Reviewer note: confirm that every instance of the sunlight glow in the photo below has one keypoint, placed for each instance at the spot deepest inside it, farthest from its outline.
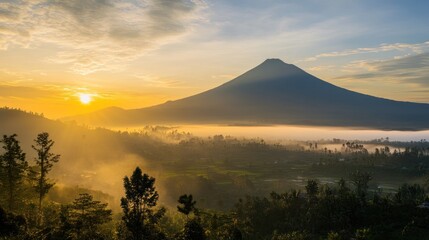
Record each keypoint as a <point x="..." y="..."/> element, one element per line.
<point x="85" y="98"/>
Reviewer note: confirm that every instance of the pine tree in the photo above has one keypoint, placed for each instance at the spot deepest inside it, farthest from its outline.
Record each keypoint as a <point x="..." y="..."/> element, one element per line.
<point x="140" y="198"/>
<point x="45" y="160"/>
<point x="81" y="220"/>
<point x="13" y="166"/>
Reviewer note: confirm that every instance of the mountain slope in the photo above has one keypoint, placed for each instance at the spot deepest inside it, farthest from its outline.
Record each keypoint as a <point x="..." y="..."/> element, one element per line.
<point x="275" y="93"/>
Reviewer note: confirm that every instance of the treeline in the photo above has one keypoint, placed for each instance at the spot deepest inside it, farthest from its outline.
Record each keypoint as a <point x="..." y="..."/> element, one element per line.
<point x="410" y="156"/>
<point x="348" y="210"/>
<point x="21" y="110"/>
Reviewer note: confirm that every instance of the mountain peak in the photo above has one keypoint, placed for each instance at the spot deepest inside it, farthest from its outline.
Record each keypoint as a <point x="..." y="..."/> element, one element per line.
<point x="272" y="68"/>
<point x="274" y="60"/>
<point x="276" y="63"/>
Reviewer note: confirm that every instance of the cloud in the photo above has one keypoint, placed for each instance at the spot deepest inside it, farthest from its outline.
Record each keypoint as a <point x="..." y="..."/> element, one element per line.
<point x="322" y="68"/>
<point x="411" y="70"/>
<point x="96" y="35"/>
<point x="158" y="82"/>
<point x="414" y="48"/>
<point x="24" y="92"/>
<point x="416" y="62"/>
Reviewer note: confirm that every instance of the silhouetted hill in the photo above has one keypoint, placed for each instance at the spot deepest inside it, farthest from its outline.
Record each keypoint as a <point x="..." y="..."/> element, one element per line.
<point x="274" y="93"/>
<point x="88" y="156"/>
<point x="72" y="141"/>
<point x="25" y="124"/>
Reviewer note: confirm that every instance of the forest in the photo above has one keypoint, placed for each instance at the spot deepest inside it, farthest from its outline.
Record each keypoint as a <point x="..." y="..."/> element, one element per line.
<point x="231" y="198"/>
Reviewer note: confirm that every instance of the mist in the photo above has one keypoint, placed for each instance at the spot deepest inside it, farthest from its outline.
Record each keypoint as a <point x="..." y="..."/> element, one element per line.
<point x="290" y="133"/>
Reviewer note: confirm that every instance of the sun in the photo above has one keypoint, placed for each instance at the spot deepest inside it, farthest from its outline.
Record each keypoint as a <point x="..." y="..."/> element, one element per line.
<point x="85" y="98"/>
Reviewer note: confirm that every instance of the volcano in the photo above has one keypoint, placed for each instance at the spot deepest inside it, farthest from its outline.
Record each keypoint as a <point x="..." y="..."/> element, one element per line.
<point x="274" y="93"/>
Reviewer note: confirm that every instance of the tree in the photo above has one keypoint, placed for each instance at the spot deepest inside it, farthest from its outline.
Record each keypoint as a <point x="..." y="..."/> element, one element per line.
<point x="45" y="160"/>
<point x="193" y="230"/>
<point x="188" y="204"/>
<point x="140" y="198"/>
<point x="343" y="190"/>
<point x="410" y="194"/>
<point x="13" y="167"/>
<point x="82" y="219"/>
<point x="361" y="180"/>
<point x="312" y="189"/>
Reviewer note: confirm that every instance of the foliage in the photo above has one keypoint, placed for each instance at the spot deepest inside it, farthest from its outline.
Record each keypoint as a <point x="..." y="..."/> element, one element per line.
<point x="140" y="198"/>
<point x="44" y="161"/>
<point x="334" y="236"/>
<point x="82" y="219"/>
<point x="10" y="224"/>
<point x="361" y="180"/>
<point x="188" y="204"/>
<point x="335" y="213"/>
<point x="291" y="236"/>
<point x="410" y="194"/>
<point x="363" y="234"/>
<point x="12" y="166"/>
<point x="193" y="230"/>
<point x="312" y="189"/>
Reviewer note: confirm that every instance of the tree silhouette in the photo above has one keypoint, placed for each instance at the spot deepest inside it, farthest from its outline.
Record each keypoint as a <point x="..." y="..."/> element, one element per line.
<point x="312" y="189"/>
<point x="13" y="166"/>
<point x="137" y="205"/>
<point x="410" y="194"/>
<point x="45" y="160"/>
<point x="188" y="204"/>
<point x="361" y="180"/>
<point x="192" y="229"/>
<point x="81" y="220"/>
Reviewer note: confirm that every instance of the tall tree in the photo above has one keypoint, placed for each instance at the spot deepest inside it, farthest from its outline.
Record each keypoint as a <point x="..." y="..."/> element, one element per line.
<point x="140" y="198"/>
<point x="45" y="160"/>
<point x="13" y="165"/>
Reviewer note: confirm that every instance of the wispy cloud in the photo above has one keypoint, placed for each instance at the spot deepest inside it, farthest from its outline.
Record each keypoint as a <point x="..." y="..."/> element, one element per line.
<point x="159" y="82"/>
<point x="96" y="35"/>
<point x="322" y="68"/>
<point x="24" y="92"/>
<point x="414" y="48"/>
<point x="410" y="70"/>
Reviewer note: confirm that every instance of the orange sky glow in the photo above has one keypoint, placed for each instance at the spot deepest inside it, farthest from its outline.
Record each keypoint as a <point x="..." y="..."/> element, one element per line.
<point x="134" y="54"/>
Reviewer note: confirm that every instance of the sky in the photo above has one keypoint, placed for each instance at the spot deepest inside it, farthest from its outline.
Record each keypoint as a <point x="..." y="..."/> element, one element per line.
<point x="69" y="57"/>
